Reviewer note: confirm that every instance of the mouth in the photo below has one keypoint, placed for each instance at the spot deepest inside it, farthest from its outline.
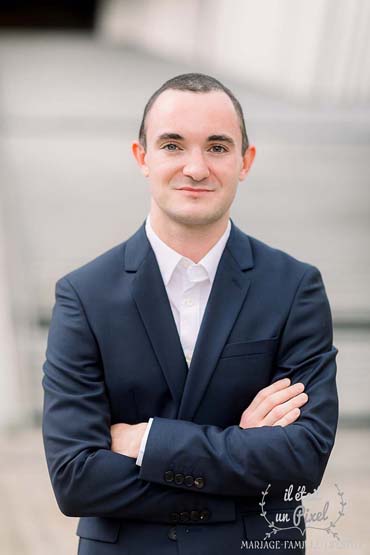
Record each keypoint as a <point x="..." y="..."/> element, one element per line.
<point x="195" y="190"/>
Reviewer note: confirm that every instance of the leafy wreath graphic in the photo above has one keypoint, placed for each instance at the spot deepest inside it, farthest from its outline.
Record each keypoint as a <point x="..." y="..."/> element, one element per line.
<point x="328" y="529"/>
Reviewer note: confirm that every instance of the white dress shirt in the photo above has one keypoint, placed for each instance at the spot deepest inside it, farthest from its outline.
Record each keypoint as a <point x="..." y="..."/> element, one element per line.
<point x="188" y="286"/>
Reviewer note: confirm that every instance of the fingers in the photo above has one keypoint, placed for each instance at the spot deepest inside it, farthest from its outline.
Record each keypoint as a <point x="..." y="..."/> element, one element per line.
<point x="278" y="398"/>
<point x="267" y="391"/>
<point x="282" y="410"/>
<point x="273" y="403"/>
<point x="289" y="418"/>
<point x="267" y="399"/>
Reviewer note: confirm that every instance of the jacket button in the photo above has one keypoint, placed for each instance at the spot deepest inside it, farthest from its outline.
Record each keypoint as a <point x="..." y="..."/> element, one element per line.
<point x="184" y="516"/>
<point x="172" y="533"/>
<point x="194" y="515"/>
<point x="199" y="482"/>
<point x="174" y="517"/>
<point x="204" y="515"/>
<point x="169" y="475"/>
<point x="189" y="480"/>
<point x="179" y="479"/>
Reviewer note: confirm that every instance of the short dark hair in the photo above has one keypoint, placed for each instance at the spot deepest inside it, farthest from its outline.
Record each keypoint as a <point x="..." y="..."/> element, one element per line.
<point x="199" y="83"/>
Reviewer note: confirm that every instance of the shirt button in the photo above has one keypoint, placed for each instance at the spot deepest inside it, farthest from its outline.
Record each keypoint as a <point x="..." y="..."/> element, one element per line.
<point x="188" y="302"/>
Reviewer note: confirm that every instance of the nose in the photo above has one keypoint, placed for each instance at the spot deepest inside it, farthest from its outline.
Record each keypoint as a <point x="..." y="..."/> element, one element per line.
<point x="196" y="167"/>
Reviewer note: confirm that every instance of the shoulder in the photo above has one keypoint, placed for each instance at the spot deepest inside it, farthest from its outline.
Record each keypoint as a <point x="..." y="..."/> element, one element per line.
<point x="269" y="260"/>
<point x="104" y="268"/>
<point x="279" y="275"/>
<point x="268" y="254"/>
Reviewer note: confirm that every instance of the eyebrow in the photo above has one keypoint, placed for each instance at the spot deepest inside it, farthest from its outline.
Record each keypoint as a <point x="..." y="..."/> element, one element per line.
<point x="166" y="136"/>
<point x="222" y="139"/>
<point x="177" y="137"/>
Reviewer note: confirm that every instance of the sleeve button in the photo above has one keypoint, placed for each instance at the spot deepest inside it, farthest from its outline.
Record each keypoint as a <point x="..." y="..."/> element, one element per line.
<point x="184" y="516"/>
<point x="189" y="480"/>
<point x="168" y="476"/>
<point x="174" y="517"/>
<point x="204" y="515"/>
<point x="199" y="482"/>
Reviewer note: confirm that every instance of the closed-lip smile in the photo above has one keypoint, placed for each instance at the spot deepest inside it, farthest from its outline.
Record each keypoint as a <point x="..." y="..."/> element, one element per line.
<point x="195" y="190"/>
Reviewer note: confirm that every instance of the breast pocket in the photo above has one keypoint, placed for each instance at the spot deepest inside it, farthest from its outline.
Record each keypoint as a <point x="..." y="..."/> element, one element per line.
<point x="258" y="347"/>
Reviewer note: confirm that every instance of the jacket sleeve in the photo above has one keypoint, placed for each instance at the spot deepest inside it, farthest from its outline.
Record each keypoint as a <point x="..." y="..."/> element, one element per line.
<point x="87" y="477"/>
<point x="236" y="461"/>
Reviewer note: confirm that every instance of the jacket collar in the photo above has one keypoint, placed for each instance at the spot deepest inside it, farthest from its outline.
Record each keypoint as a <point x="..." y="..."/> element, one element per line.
<point x="138" y="246"/>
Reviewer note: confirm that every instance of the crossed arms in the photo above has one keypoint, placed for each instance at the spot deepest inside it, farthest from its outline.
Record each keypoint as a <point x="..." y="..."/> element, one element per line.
<point x="275" y="405"/>
<point x="90" y="479"/>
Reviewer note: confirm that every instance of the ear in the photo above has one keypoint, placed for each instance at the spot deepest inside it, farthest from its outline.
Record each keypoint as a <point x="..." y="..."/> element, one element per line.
<point x="248" y="158"/>
<point x="139" y="154"/>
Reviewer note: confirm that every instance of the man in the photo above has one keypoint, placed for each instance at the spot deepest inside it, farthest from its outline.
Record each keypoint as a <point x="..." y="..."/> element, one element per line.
<point x="190" y="368"/>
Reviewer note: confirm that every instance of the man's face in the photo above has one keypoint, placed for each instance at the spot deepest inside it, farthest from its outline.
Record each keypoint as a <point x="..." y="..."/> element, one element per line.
<point x="193" y="157"/>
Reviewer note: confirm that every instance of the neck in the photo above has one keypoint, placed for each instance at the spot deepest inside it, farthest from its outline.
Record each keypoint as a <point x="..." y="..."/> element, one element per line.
<point x="192" y="241"/>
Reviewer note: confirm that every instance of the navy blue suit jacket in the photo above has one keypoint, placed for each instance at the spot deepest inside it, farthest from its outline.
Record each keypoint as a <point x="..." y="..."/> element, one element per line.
<point x="114" y="355"/>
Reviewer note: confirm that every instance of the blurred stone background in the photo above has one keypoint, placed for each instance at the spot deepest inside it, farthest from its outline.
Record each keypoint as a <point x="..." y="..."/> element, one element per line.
<point x="74" y="79"/>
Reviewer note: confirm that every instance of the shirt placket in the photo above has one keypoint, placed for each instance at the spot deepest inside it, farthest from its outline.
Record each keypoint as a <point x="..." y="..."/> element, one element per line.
<point x="189" y="320"/>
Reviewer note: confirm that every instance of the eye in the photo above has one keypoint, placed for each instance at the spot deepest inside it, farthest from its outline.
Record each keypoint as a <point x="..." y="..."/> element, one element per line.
<point x="218" y="148"/>
<point x="170" y="146"/>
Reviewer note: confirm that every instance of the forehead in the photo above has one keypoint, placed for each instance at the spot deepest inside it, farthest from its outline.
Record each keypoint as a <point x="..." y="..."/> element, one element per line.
<point x="187" y="112"/>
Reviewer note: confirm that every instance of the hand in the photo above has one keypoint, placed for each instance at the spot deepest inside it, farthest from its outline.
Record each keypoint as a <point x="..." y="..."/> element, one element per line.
<point x="126" y="438"/>
<point x="275" y="405"/>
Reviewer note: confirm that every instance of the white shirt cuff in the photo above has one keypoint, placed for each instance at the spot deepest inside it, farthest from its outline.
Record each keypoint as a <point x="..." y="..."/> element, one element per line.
<point x="140" y="456"/>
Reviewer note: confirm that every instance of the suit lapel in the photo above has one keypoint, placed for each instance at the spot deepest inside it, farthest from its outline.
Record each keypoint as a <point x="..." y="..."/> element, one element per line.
<point x="150" y="296"/>
<point x="228" y="293"/>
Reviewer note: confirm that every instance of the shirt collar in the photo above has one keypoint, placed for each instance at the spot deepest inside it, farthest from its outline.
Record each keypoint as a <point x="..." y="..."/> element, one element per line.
<point x="168" y="258"/>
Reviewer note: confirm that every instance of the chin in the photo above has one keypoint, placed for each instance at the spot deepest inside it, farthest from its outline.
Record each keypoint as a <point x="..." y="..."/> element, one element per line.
<point x="196" y="218"/>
